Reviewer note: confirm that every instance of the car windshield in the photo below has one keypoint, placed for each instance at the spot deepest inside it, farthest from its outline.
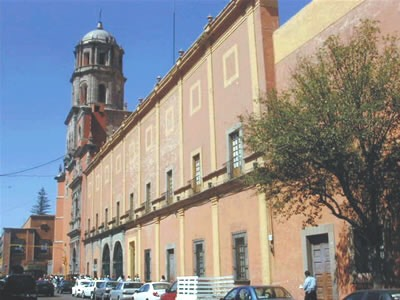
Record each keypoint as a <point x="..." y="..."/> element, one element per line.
<point x="271" y="292"/>
<point x="111" y="284"/>
<point x="161" y="286"/>
<point x="132" y="285"/>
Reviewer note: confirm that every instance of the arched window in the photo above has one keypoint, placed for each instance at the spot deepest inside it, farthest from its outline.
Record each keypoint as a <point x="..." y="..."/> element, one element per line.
<point x="117" y="260"/>
<point x="83" y="94"/>
<point x="106" y="261"/>
<point x="102" y="93"/>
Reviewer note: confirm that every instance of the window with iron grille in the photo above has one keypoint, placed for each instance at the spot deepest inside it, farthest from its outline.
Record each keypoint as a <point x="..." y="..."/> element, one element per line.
<point x="147" y="265"/>
<point x="240" y="263"/>
<point x="199" y="258"/>
<point x="170" y="188"/>
<point x="236" y="153"/>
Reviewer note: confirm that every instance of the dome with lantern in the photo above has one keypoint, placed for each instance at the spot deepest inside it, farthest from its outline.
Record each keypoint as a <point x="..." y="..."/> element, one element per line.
<point x="98" y="35"/>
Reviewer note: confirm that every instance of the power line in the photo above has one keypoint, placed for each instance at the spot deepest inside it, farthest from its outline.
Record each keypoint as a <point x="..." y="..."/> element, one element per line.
<point x="33" y="168"/>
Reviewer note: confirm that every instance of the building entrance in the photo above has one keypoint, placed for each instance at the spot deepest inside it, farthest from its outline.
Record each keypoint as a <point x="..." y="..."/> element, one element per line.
<point x="321" y="264"/>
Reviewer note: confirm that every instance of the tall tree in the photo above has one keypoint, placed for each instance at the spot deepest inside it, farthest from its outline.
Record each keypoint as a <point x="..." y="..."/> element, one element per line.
<point x="332" y="140"/>
<point x="42" y="205"/>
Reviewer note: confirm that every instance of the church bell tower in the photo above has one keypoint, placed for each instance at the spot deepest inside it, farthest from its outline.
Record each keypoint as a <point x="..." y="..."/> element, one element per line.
<point x="97" y="111"/>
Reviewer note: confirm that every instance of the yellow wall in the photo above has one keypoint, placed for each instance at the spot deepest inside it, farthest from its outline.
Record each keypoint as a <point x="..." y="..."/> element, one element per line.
<point x="308" y="23"/>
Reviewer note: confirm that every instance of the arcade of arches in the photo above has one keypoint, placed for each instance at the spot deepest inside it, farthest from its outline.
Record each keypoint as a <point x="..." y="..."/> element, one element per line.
<point x="117" y="261"/>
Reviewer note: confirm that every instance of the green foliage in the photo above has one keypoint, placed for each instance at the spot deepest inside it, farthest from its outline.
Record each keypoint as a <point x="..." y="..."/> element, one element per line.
<point x="42" y="205"/>
<point x="333" y="139"/>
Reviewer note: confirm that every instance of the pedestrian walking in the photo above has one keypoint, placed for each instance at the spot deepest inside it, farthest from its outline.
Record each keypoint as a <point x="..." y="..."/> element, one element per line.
<point x="310" y="287"/>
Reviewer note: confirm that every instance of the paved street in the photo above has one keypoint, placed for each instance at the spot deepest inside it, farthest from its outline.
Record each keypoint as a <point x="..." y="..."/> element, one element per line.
<point x="58" y="297"/>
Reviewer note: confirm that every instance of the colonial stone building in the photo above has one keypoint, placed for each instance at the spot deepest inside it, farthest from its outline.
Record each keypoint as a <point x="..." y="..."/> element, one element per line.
<point x="158" y="191"/>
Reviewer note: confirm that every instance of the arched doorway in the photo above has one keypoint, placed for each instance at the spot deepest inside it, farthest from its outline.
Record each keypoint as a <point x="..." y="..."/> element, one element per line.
<point x="117" y="260"/>
<point x="106" y="261"/>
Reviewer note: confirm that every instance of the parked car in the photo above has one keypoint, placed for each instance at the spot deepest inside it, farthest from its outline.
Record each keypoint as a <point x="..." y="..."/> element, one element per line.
<point x="254" y="292"/>
<point x="103" y="291"/>
<point x="65" y="286"/>
<point x="78" y="286"/>
<point x="18" y="286"/>
<point x="124" y="290"/>
<point x="45" y="287"/>
<point x="88" y="291"/>
<point x="374" y="294"/>
<point x="151" y="291"/>
<point x="170" y="293"/>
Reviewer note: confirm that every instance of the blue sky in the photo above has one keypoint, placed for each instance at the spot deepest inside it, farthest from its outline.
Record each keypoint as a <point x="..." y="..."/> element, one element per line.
<point x="37" y="40"/>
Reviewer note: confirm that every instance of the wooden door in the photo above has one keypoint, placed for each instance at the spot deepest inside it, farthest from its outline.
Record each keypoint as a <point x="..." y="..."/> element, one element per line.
<point x="322" y="266"/>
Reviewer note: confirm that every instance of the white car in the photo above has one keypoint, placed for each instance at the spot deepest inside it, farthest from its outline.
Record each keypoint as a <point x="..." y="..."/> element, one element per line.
<point x="125" y="290"/>
<point x="79" y="284"/>
<point x="151" y="291"/>
<point x="88" y="291"/>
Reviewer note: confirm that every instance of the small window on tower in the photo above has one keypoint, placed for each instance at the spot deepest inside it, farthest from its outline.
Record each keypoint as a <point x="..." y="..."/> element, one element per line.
<point x="102" y="93"/>
<point x="102" y="58"/>
<point x="83" y="94"/>
<point x="86" y="58"/>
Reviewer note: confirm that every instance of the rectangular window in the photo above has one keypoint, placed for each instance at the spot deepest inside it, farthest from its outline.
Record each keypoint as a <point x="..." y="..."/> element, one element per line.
<point x="106" y="217"/>
<point x="170" y="189"/>
<point x="97" y="221"/>
<point x="196" y="181"/>
<point x="235" y="155"/>
<point x="199" y="265"/>
<point x="102" y="58"/>
<point x="44" y="247"/>
<point x="88" y="225"/>
<point x="117" y="217"/>
<point x="240" y="259"/>
<point x="147" y="204"/>
<point x="360" y="253"/>
<point x="147" y="265"/>
<point x="86" y="58"/>
<point x="131" y="206"/>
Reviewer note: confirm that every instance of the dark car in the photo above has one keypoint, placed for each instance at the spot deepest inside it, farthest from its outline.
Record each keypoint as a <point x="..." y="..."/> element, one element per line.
<point x="260" y="292"/>
<point x="18" y="286"/>
<point x="103" y="291"/>
<point x="44" y="287"/>
<point x="375" y="294"/>
<point x="170" y="293"/>
<point x="65" y="286"/>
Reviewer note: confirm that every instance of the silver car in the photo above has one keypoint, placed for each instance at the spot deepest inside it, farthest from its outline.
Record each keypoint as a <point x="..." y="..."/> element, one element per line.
<point x="124" y="290"/>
